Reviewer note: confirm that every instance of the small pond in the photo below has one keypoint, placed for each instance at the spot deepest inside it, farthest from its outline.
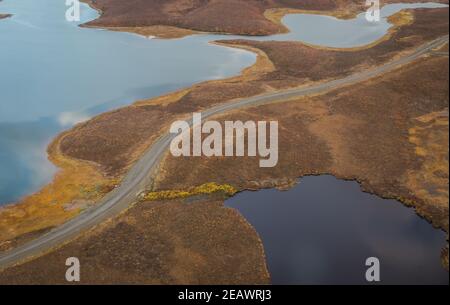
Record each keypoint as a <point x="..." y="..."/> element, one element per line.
<point x="323" y="230"/>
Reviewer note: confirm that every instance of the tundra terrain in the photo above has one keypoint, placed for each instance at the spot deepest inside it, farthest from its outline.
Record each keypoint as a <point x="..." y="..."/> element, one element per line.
<point x="389" y="133"/>
<point x="344" y="132"/>
<point x="246" y="17"/>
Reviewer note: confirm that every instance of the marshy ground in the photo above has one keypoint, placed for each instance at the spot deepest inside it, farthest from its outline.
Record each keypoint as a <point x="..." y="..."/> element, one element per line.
<point x="389" y="133"/>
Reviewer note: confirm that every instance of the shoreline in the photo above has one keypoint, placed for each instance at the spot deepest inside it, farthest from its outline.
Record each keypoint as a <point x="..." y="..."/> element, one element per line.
<point x="156" y="31"/>
<point x="274" y="15"/>
<point x="224" y="114"/>
<point x="397" y="20"/>
<point x="68" y="168"/>
<point x="262" y="65"/>
<point x="4" y="16"/>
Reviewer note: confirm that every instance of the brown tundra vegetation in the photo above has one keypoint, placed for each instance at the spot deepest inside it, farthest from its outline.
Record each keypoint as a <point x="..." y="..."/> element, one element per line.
<point x="247" y="17"/>
<point x="390" y="134"/>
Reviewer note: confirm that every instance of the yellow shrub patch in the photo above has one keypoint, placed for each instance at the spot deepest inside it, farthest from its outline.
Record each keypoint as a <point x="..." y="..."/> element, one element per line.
<point x="204" y="189"/>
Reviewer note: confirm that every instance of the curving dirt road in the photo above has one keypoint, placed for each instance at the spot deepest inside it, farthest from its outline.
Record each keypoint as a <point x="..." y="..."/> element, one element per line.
<point x="143" y="172"/>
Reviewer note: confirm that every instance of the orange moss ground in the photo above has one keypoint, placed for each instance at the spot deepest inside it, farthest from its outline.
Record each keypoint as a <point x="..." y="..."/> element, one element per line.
<point x="387" y="133"/>
<point x="92" y="161"/>
<point x="167" y="242"/>
<point x="390" y="134"/>
<point x="348" y="133"/>
<point x="76" y="186"/>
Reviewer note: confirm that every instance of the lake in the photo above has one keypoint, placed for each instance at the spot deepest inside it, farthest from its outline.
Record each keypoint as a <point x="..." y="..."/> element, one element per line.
<point x="323" y="230"/>
<point x="55" y="74"/>
<point x="332" y="32"/>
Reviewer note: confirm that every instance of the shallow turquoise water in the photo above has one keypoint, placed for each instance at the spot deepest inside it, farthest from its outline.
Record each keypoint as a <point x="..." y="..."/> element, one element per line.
<point x="332" y="32"/>
<point x="55" y="74"/>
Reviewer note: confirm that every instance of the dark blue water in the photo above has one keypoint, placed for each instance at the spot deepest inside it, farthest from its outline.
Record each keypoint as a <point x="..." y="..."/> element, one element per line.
<point x="323" y="230"/>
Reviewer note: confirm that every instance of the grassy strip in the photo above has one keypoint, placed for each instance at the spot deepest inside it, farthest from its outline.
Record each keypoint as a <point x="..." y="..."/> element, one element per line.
<point x="204" y="189"/>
